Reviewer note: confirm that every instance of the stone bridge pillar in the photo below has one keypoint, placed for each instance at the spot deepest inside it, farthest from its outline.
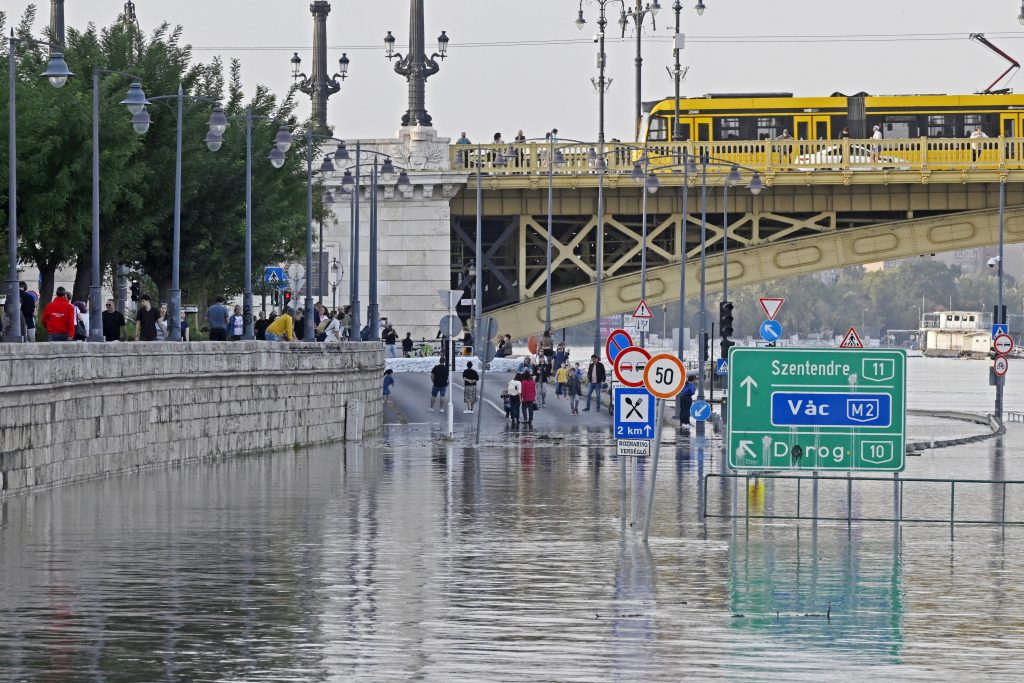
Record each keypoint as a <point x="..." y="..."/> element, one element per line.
<point x="414" y="229"/>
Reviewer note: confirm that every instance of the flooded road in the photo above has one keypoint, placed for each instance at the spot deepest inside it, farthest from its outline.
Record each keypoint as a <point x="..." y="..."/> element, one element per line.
<point x="409" y="559"/>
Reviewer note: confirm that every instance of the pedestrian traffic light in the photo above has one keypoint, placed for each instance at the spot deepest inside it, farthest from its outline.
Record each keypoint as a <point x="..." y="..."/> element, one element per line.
<point x="725" y="326"/>
<point x="706" y="341"/>
<point x="136" y="290"/>
<point x="287" y="299"/>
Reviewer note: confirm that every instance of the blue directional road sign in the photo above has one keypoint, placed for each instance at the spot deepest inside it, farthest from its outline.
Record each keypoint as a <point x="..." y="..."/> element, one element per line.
<point x="722" y="366"/>
<point x="275" y="277"/>
<point x="1000" y="328"/>
<point x="771" y="330"/>
<point x="700" y="410"/>
<point x="634" y="413"/>
<point x="803" y="409"/>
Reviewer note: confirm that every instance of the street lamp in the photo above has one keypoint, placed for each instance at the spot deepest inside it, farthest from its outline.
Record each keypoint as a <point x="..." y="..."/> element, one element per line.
<point x="1020" y="17"/>
<point x="57" y="73"/>
<point x="415" y="65"/>
<point x="601" y="83"/>
<point x="136" y="103"/>
<point x="638" y="15"/>
<point x="700" y="7"/>
<point x="216" y="126"/>
<point x="337" y="272"/>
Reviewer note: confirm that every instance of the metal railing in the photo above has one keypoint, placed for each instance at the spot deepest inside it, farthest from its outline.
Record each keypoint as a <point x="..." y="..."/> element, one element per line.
<point x="798" y="508"/>
<point x="768" y="156"/>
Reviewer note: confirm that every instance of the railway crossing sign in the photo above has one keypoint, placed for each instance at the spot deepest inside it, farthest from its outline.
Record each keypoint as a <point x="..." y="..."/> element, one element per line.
<point x="771" y="306"/>
<point x="771" y="330"/>
<point x="817" y="409"/>
<point x="1001" y="365"/>
<point x="1003" y="344"/>
<point x="630" y="365"/>
<point x="664" y="376"/>
<point x="618" y="341"/>
<point x="1000" y="328"/>
<point x="851" y="340"/>
<point x="634" y="413"/>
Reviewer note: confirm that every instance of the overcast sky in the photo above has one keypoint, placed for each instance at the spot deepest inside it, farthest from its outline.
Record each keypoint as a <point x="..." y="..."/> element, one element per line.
<point x="809" y="47"/>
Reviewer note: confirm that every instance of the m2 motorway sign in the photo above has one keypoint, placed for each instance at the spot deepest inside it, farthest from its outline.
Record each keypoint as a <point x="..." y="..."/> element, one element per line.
<point x="812" y="409"/>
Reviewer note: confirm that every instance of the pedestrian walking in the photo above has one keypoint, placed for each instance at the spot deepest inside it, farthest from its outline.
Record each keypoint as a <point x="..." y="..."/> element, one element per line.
<point x="113" y="322"/>
<point x="574" y="387"/>
<point x="389" y="381"/>
<point x="514" y="391"/>
<point x="470" y="380"/>
<point x="185" y="334"/>
<point x="595" y="381"/>
<point x="333" y="332"/>
<point x="236" y="324"/>
<point x="439" y="386"/>
<point x="217" y="316"/>
<point x="390" y="337"/>
<point x="541" y="375"/>
<point x="145" y="320"/>
<point x="59" y="318"/>
<point x="528" y="397"/>
<point x="161" y="323"/>
<point x="561" y="377"/>
<point x="282" y="328"/>
<point x="28" y="312"/>
<point x="81" y="321"/>
<point x="407" y="345"/>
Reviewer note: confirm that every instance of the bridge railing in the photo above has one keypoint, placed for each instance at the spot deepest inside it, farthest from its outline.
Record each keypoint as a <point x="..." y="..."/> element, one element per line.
<point x="768" y="156"/>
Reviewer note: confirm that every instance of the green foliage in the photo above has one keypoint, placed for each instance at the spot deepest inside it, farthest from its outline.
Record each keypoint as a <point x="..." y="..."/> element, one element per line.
<point x="137" y="172"/>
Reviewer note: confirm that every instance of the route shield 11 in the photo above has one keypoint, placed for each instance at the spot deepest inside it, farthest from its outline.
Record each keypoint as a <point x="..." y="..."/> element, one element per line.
<point x="814" y="409"/>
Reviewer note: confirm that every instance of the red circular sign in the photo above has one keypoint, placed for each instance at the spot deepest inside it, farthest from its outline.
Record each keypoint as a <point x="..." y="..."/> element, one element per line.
<point x="1001" y="365"/>
<point x="1003" y="344"/>
<point x="630" y="365"/>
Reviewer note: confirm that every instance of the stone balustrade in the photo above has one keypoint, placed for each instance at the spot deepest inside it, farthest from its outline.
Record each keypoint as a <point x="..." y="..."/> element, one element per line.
<point x="73" y="411"/>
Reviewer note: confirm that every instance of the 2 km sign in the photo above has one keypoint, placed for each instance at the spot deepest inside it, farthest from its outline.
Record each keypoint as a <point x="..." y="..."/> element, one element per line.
<point x="810" y="409"/>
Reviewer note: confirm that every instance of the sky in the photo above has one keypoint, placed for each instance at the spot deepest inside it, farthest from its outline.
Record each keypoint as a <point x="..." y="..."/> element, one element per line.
<point x="487" y="85"/>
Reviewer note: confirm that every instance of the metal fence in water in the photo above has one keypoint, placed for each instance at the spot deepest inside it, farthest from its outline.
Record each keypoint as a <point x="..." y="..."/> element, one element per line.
<point x="806" y="500"/>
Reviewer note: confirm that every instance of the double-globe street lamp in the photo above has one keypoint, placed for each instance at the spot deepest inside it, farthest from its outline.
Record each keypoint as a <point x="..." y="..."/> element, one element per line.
<point x="57" y="73"/>
<point x="351" y="184"/>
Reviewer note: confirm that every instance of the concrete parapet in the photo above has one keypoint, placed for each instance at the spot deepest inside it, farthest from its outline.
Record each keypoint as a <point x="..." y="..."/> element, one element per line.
<point x="72" y="411"/>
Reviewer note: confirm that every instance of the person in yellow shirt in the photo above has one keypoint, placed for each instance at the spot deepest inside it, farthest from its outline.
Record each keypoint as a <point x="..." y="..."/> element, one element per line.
<point x="561" y="377"/>
<point x="283" y="327"/>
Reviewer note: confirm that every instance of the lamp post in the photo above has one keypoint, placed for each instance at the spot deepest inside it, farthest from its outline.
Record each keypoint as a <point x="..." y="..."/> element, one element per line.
<point x="217" y="124"/>
<point x="1000" y="381"/>
<point x="688" y="168"/>
<point x="337" y="272"/>
<point x="135" y="102"/>
<point x="320" y="86"/>
<point x="601" y="84"/>
<point x="638" y="14"/>
<point x="415" y="66"/>
<point x="57" y="73"/>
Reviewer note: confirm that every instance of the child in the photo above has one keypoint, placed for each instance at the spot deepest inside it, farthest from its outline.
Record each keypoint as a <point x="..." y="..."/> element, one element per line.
<point x="561" y="377"/>
<point x="389" y="381"/>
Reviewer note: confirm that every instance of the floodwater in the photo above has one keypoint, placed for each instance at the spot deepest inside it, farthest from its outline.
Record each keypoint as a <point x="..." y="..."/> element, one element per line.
<point x="409" y="559"/>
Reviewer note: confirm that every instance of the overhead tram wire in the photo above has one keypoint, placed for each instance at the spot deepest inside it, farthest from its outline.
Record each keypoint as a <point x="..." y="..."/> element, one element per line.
<point x="728" y="40"/>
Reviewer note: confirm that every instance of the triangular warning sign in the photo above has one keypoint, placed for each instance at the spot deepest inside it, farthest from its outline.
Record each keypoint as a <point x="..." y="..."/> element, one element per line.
<point x="852" y="340"/>
<point x="771" y="306"/>
<point x="643" y="310"/>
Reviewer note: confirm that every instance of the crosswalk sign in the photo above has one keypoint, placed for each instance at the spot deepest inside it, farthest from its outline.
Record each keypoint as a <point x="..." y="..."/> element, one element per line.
<point x="722" y="366"/>
<point x="275" y="277"/>
<point x="852" y="340"/>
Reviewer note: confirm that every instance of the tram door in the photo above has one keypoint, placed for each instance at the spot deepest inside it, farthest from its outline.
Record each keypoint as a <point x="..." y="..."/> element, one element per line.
<point x="812" y="127"/>
<point x="1010" y="127"/>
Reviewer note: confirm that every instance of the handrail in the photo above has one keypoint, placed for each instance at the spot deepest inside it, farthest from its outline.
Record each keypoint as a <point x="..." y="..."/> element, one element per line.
<point x="766" y="156"/>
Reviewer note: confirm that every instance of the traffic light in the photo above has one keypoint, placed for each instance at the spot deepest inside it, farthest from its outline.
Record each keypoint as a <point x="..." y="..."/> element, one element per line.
<point x="706" y="341"/>
<point x="136" y="290"/>
<point x="725" y="325"/>
<point x="287" y="299"/>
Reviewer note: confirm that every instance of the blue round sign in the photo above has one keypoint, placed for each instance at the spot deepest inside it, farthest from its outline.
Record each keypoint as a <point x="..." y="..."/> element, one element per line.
<point x="771" y="330"/>
<point x="618" y="341"/>
<point x="700" y="410"/>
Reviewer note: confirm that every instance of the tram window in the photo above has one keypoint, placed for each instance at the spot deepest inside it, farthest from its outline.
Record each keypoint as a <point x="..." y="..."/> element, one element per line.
<point x="703" y="132"/>
<point x="659" y="129"/>
<point x="768" y="127"/>
<point x="938" y="127"/>
<point x="729" y="128"/>
<point x="1008" y="128"/>
<point x="821" y="130"/>
<point x="802" y="128"/>
<point x="988" y="123"/>
<point x="684" y="132"/>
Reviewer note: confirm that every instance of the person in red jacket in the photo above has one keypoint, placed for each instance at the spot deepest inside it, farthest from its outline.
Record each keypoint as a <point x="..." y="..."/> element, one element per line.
<point x="529" y="397"/>
<point x="59" y="317"/>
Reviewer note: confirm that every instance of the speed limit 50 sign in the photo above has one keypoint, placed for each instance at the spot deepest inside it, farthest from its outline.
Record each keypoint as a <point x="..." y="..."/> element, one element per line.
<point x="664" y="376"/>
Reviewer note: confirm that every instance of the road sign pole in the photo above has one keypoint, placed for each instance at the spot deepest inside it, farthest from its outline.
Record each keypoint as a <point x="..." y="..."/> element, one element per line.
<point x="483" y="373"/>
<point x="659" y="408"/>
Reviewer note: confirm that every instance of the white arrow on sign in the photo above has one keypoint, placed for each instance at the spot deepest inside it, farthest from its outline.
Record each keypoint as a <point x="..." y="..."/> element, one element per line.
<point x="745" y="450"/>
<point x="748" y="383"/>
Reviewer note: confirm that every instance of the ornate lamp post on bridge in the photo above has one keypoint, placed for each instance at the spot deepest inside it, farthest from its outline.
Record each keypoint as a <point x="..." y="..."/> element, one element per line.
<point x="415" y="66"/>
<point x="319" y="86"/>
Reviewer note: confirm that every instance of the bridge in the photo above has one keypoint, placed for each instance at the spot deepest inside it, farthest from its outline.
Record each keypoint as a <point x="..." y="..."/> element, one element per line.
<point x="825" y="204"/>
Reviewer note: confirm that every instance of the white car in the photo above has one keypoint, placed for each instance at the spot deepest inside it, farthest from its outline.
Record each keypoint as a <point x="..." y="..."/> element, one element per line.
<point x="860" y="156"/>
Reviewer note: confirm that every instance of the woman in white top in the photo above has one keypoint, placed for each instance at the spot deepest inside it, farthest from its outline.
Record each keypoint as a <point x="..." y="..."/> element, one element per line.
<point x="161" y="324"/>
<point x="334" y="330"/>
<point x="236" y="324"/>
<point x="514" y="391"/>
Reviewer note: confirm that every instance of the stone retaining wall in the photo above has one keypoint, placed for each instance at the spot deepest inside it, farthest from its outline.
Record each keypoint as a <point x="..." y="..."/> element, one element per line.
<point x="74" y="411"/>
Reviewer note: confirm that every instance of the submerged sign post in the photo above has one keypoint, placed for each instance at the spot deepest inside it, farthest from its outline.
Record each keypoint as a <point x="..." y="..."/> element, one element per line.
<point x="811" y="409"/>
